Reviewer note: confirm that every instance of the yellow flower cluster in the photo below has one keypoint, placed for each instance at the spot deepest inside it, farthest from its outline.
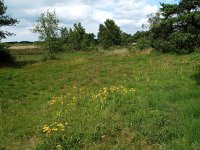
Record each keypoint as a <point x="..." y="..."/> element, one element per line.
<point x="55" y="127"/>
<point x="46" y="129"/>
<point x="121" y="89"/>
<point x="57" y="100"/>
<point x="104" y="92"/>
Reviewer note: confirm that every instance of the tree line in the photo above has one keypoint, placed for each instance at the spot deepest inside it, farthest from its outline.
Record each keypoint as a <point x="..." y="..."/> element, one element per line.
<point x="76" y="38"/>
<point x="174" y="28"/>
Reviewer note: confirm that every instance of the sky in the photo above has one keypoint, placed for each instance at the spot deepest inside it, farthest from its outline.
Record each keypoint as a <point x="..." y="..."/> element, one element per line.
<point x="128" y="14"/>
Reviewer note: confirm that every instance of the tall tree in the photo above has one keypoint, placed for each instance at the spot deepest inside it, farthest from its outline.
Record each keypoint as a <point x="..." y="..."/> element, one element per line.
<point x="5" y="20"/>
<point x="78" y="39"/>
<point x="48" y="28"/>
<point x="77" y="36"/>
<point x="109" y="34"/>
<point x="88" y="41"/>
<point x="177" y="29"/>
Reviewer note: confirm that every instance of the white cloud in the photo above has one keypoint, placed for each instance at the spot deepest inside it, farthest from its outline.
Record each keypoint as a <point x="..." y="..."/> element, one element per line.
<point x="100" y="15"/>
<point x="128" y="14"/>
<point x="23" y="33"/>
<point x="71" y="11"/>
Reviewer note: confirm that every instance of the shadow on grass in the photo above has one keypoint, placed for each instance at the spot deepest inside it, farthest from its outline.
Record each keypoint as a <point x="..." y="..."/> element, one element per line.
<point x="18" y="64"/>
<point x="196" y="77"/>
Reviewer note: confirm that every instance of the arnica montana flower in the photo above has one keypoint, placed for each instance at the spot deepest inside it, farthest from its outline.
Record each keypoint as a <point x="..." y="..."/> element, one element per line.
<point x="55" y="129"/>
<point x="60" y="125"/>
<point x="57" y="99"/>
<point x="46" y="129"/>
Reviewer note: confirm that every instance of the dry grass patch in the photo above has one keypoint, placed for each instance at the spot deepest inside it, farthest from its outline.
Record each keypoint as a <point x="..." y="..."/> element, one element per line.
<point x="117" y="52"/>
<point x="23" y="47"/>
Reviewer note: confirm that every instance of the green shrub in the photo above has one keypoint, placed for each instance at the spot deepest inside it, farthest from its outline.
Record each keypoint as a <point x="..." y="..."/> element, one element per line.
<point x="54" y="46"/>
<point x="143" y="43"/>
<point x="132" y="49"/>
<point x="182" y="43"/>
<point x="5" y="56"/>
<point x="176" y="26"/>
<point x="162" y="46"/>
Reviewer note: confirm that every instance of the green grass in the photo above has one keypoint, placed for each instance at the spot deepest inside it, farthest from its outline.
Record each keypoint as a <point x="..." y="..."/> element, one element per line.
<point x="163" y="113"/>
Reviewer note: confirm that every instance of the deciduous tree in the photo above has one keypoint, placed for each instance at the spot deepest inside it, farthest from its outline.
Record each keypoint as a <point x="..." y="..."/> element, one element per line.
<point x="49" y="31"/>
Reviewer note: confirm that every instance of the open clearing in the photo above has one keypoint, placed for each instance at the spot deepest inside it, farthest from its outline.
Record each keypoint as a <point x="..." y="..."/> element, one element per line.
<point x="103" y="100"/>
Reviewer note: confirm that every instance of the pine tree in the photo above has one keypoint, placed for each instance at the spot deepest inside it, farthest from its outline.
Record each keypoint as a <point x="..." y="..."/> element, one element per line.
<point x="109" y="34"/>
<point x="5" y="20"/>
<point x="177" y="27"/>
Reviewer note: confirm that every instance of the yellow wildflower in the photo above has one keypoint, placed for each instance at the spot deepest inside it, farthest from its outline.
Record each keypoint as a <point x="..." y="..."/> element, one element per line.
<point x="52" y="102"/>
<point x="112" y="89"/>
<point x="132" y="90"/>
<point x="60" y="125"/>
<point x="55" y="129"/>
<point x="46" y="128"/>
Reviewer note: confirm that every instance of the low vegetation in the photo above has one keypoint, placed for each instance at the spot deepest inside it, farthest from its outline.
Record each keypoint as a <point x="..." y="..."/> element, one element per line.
<point x="117" y="91"/>
<point x="89" y="100"/>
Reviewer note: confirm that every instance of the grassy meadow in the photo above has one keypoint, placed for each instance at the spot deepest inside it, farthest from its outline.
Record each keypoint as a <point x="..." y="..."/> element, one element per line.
<point x="100" y="100"/>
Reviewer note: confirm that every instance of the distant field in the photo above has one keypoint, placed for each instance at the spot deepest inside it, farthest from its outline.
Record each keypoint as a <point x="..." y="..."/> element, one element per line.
<point x="100" y="100"/>
<point x="26" y="49"/>
<point x="22" y="47"/>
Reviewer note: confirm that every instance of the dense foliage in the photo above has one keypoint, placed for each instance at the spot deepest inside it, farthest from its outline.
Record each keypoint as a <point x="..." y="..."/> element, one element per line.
<point x="126" y="38"/>
<point x="76" y="38"/>
<point x="109" y="34"/>
<point x="176" y="27"/>
<point x="142" y="40"/>
<point x="5" y="56"/>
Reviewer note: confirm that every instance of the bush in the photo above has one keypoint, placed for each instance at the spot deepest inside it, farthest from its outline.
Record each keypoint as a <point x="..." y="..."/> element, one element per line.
<point x="162" y="46"/>
<point x="54" y="46"/>
<point x="5" y="56"/>
<point x="183" y="43"/>
<point x="143" y="43"/>
<point x="180" y="43"/>
<point x="132" y="49"/>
